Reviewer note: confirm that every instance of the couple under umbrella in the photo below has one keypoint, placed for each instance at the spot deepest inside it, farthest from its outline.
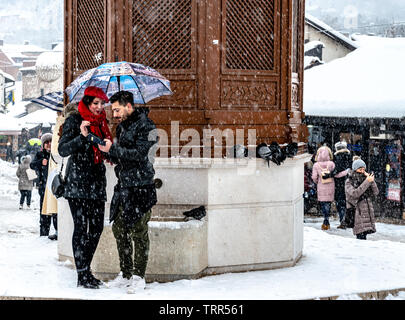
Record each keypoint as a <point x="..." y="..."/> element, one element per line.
<point x="87" y="140"/>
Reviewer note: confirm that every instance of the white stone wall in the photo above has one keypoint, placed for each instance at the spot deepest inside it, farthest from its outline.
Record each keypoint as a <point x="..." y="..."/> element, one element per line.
<point x="29" y="86"/>
<point x="32" y="85"/>
<point x="254" y="219"/>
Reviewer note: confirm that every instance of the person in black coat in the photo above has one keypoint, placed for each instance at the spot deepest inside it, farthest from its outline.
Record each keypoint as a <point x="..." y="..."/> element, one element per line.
<point x="40" y="165"/>
<point x="85" y="179"/>
<point x="10" y="153"/>
<point x="135" y="193"/>
<point x="343" y="162"/>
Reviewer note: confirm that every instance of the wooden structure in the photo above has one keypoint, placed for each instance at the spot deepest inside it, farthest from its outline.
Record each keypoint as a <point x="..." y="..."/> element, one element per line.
<point x="232" y="64"/>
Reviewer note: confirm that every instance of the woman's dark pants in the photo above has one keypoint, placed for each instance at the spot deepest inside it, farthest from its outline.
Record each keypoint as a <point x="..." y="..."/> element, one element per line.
<point x="88" y="220"/>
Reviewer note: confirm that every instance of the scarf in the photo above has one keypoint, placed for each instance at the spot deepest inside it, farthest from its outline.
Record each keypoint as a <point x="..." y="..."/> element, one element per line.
<point x="98" y="126"/>
<point x="356" y="179"/>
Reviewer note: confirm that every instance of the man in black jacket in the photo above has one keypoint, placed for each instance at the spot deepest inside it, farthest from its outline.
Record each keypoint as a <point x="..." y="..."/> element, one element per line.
<point x="343" y="163"/>
<point x="135" y="192"/>
<point x="40" y="165"/>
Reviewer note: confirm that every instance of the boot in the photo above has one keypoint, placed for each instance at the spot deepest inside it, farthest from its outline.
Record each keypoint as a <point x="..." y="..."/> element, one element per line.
<point x="53" y="237"/>
<point x="84" y="281"/>
<point x="342" y="225"/>
<point x="21" y="206"/>
<point x="93" y="280"/>
<point x="325" y="226"/>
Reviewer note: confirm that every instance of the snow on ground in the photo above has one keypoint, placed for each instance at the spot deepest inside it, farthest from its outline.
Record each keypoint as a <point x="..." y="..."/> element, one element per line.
<point x="334" y="263"/>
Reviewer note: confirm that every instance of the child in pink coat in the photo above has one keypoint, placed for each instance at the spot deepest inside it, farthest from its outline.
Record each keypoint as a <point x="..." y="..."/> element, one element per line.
<point x="325" y="187"/>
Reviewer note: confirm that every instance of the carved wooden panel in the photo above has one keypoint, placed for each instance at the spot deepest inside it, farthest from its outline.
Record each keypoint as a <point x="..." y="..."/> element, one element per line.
<point x="184" y="95"/>
<point x="249" y="94"/>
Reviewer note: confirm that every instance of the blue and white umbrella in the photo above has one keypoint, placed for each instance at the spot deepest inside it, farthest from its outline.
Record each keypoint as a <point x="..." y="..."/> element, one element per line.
<point x="144" y="82"/>
<point x="53" y="101"/>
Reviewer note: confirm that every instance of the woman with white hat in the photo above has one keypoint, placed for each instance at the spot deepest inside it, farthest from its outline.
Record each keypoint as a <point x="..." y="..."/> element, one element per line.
<point x="360" y="188"/>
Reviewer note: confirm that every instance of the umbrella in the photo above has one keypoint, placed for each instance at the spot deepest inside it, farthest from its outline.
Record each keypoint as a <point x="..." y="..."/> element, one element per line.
<point x="144" y="82"/>
<point x="53" y="101"/>
<point x="34" y="141"/>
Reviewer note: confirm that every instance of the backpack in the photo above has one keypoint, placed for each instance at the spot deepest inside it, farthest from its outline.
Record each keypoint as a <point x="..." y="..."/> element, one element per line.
<point x="323" y="172"/>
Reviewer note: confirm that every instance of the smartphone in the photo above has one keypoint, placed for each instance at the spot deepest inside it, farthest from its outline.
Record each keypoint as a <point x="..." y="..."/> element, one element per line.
<point x="96" y="140"/>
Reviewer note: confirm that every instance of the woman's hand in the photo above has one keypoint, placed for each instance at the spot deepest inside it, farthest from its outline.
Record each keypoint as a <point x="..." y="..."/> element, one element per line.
<point x="83" y="128"/>
<point x="370" y="177"/>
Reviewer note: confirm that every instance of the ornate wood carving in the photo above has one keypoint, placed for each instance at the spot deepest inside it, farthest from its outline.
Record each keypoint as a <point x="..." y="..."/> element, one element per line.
<point x="249" y="94"/>
<point x="184" y="95"/>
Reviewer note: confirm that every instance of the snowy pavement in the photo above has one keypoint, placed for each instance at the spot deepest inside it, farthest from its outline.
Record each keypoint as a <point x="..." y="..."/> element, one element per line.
<point x="334" y="263"/>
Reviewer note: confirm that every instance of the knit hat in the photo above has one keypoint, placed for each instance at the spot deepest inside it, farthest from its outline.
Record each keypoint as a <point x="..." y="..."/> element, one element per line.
<point x="96" y="92"/>
<point x="340" y="145"/>
<point x="46" y="137"/>
<point x="357" y="164"/>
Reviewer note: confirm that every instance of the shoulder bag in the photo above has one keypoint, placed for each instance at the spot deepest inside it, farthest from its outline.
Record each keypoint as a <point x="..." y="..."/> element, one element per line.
<point x="58" y="182"/>
<point x="323" y="172"/>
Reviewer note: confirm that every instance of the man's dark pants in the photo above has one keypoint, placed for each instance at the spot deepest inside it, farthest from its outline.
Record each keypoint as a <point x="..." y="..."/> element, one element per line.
<point x="127" y="239"/>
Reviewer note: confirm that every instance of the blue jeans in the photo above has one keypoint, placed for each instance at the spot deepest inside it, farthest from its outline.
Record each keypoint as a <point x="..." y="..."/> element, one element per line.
<point x="341" y="208"/>
<point x="325" y="208"/>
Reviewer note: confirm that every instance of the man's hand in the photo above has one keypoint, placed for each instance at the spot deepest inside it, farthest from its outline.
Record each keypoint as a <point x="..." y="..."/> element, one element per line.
<point x="83" y="128"/>
<point x="44" y="162"/>
<point x="107" y="146"/>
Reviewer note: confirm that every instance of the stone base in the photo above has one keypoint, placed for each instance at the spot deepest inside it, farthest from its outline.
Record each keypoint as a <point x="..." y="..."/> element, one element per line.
<point x="254" y="219"/>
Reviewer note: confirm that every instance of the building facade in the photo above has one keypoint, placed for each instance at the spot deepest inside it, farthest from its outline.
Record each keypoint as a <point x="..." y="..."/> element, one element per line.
<point x="336" y="45"/>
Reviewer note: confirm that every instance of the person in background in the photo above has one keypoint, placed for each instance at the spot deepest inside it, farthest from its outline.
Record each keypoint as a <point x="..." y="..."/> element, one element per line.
<point x="40" y="165"/>
<point x="50" y="204"/>
<point x="10" y="153"/>
<point x="85" y="179"/>
<point x="309" y="185"/>
<point x="360" y="188"/>
<point x="325" y="187"/>
<point x="343" y="163"/>
<point x="25" y="185"/>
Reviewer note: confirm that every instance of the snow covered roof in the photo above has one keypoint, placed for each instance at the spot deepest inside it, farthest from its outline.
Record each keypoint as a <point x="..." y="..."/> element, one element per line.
<point x="16" y="51"/>
<point x="45" y="116"/>
<point x="367" y="83"/>
<point x="21" y="48"/>
<point x="9" y="125"/>
<point x="329" y="31"/>
<point x="50" y="59"/>
<point x="310" y="60"/>
<point x="7" y="76"/>
<point x="312" y="45"/>
<point x="59" y="47"/>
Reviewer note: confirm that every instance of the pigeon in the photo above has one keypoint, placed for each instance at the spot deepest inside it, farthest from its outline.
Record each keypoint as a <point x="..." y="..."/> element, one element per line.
<point x="264" y="152"/>
<point x="196" y="213"/>
<point x="291" y="150"/>
<point x="277" y="155"/>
